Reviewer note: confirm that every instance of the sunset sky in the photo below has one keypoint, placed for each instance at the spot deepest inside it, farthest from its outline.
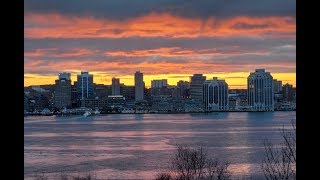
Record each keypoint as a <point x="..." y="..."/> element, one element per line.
<point x="170" y="39"/>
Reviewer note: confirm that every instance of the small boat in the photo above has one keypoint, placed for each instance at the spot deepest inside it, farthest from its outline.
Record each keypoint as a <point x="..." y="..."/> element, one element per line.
<point x="87" y="113"/>
<point x="96" y="112"/>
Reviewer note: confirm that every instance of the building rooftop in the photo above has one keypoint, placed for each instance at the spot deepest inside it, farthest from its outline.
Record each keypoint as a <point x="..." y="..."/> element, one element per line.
<point x="260" y="70"/>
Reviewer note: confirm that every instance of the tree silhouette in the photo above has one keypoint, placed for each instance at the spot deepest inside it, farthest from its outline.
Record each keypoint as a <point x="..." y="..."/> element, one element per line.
<point x="280" y="164"/>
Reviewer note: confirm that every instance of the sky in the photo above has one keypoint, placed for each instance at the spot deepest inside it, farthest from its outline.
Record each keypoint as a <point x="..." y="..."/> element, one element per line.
<point x="164" y="39"/>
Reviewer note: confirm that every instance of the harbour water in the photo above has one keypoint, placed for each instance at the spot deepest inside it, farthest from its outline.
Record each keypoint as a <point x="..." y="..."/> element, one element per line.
<point x="138" y="146"/>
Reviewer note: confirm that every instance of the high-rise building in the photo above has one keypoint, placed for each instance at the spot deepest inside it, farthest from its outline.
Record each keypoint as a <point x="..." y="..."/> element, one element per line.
<point x="260" y="91"/>
<point x="139" y="86"/>
<point x="277" y="86"/>
<point x="159" y="87"/>
<point x="183" y="89"/>
<point x="64" y="75"/>
<point x="100" y="90"/>
<point x="159" y="83"/>
<point x="62" y="93"/>
<point x="115" y="86"/>
<point x="288" y="92"/>
<point x="196" y="82"/>
<point x="128" y="92"/>
<point x="84" y="85"/>
<point x="74" y="95"/>
<point x="215" y="95"/>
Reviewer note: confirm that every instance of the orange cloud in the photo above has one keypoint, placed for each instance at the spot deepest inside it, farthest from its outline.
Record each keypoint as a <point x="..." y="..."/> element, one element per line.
<point x="54" y="53"/>
<point x="159" y="69"/>
<point x="155" y="25"/>
<point x="39" y="52"/>
<point x="177" y="52"/>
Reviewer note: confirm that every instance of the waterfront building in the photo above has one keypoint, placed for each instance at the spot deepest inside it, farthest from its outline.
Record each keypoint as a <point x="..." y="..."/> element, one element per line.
<point x="278" y="97"/>
<point x="85" y="85"/>
<point x="277" y="86"/>
<point x="234" y="103"/>
<point x="139" y="86"/>
<point x="128" y="92"/>
<point x="109" y="90"/>
<point x="196" y="82"/>
<point x="74" y="96"/>
<point x="95" y="103"/>
<point x="159" y="87"/>
<point x="100" y="90"/>
<point x="183" y="89"/>
<point x="192" y="106"/>
<point x="215" y="95"/>
<point x="147" y="94"/>
<point x="116" y="100"/>
<point x="234" y="100"/>
<point x="288" y="92"/>
<point x="62" y="93"/>
<point x="278" y="101"/>
<point x="173" y="92"/>
<point x="142" y="106"/>
<point x="37" y="98"/>
<point x="162" y="106"/>
<point x="115" y="86"/>
<point x="260" y="91"/>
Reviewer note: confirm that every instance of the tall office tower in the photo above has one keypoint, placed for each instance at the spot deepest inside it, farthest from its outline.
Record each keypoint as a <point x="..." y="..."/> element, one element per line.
<point x="62" y="93"/>
<point x="85" y="85"/>
<point x="64" y="75"/>
<point x="159" y="87"/>
<point x="115" y="86"/>
<point x="196" y="82"/>
<point x="139" y="86"/>
<point x="277" y="86"/>
<point x="260" y="91"/>
<point x="74" y="95"/>
<point x="159" y="83"/>
<point x="215" y="95"/>
<point x="288" y="92"/>
<point x="183" y="87"/>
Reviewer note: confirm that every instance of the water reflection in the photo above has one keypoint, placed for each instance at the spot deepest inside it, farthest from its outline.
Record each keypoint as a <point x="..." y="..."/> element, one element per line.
<point x="131" y="146"/>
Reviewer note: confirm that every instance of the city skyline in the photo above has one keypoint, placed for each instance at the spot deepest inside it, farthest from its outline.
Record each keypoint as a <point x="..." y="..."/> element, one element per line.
<point x="163" y="39"/>
<point x="74" y="79"/>
<point x="160" y="89"/>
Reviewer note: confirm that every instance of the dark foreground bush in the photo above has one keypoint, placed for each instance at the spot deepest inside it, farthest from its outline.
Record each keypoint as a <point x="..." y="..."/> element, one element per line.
<point x="194" y="164"/>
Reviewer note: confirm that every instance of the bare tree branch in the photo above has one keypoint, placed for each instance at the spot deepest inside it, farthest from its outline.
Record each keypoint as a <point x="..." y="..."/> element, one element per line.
<point x="280" y="164"/>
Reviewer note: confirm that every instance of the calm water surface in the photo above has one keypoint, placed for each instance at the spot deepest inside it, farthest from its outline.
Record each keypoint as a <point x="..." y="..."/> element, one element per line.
<point x="131" y="146"/>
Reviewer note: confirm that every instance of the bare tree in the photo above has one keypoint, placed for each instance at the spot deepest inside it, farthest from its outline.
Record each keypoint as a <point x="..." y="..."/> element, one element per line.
<point x="280" y="164"/>
<point x="164" y="176"/>
<point x="217" y="171"/>
<point x="194" y="164"/>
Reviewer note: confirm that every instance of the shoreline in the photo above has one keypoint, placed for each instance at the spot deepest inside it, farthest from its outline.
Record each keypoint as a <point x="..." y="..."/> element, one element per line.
<point x="55" y="114"/>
